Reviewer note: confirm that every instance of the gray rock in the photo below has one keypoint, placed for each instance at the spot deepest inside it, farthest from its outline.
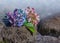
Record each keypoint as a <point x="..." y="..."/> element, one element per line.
<point x="50" y="25"/>
<point x="46" y="39"/>
<point x="22" y="35"/>
<point x="16" y="35"/>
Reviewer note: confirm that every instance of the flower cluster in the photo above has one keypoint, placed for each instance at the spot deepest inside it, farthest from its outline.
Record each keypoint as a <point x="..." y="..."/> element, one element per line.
<point x="32" y="16"/>
<point x="19" y="16"/>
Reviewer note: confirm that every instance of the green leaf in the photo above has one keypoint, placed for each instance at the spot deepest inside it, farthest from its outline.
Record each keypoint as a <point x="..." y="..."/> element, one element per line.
<point x="30" y="26"/>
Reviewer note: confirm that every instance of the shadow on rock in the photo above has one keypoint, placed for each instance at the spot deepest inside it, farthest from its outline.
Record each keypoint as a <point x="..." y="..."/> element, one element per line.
<point x="50" y="25"/>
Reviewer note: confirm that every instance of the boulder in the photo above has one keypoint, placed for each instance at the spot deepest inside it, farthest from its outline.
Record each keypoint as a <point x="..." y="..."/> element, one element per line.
<point x="46" y="39"/>
<point x="22" y="35"/>
<point x="50" y="25"/>
<point x="14" y="34"/>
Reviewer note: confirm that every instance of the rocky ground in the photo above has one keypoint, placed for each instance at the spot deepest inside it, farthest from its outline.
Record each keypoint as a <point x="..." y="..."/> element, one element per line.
<point x="15" y="35"/>
<point x="50" y="25"/>
<point x="48" y="28"/>
<point x="22" y="35"/>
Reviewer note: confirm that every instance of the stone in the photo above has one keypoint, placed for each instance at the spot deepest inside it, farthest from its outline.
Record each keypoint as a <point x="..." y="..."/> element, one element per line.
<point x="50" y="25"/>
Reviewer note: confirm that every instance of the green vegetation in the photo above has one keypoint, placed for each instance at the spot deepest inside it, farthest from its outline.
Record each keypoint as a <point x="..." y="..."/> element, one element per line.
<point x="30" y="26"/>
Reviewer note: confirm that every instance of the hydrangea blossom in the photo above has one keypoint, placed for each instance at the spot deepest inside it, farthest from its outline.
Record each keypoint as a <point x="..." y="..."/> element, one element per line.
<point x="17" y="18"/>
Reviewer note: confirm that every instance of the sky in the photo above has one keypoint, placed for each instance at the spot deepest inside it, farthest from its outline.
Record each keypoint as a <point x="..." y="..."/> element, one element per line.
<point x="43" y="7"/>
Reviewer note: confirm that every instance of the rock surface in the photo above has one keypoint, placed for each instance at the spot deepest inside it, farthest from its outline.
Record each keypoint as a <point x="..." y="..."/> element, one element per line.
<point x="50" y="25"/>
<point x="22" y="35"/>
<point x="14" y="34"/>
